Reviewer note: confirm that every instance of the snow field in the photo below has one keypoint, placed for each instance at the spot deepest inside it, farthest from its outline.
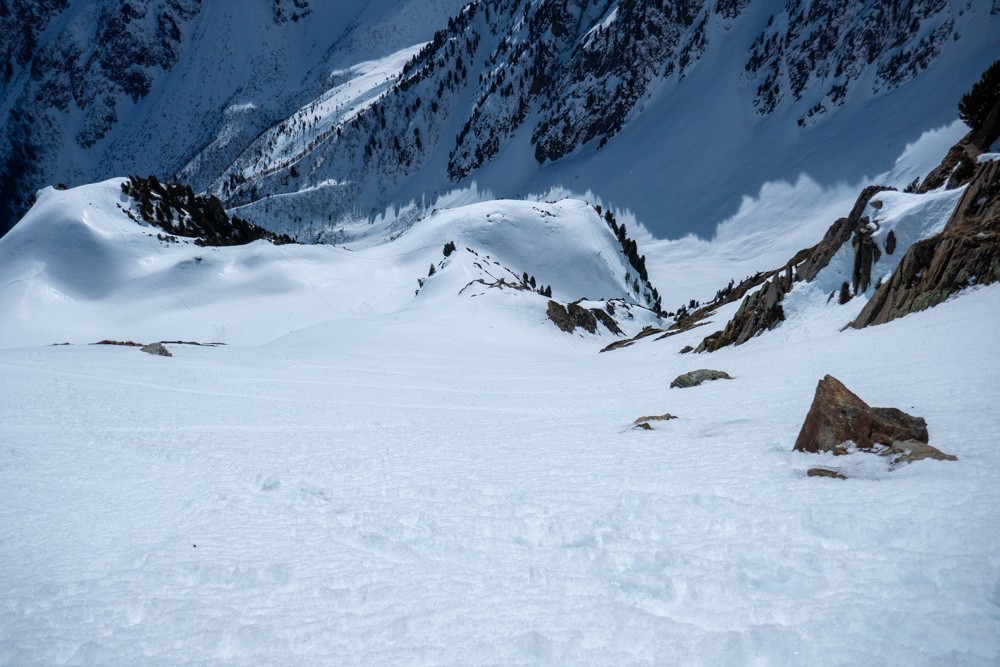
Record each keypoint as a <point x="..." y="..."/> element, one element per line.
<point x="440" y="490"/>
<point x="77" y="269"/>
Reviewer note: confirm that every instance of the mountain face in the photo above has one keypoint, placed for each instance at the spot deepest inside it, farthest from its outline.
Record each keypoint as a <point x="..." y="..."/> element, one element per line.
<point x="644" y="103"/>
<point x="93" y="88"/>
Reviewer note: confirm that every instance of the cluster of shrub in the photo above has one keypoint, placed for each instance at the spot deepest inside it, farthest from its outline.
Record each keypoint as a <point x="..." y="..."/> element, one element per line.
<point x="177" y="210"/>
<point x="637" y="261"/>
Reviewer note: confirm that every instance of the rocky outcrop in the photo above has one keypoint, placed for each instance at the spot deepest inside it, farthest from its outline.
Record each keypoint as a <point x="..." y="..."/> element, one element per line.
<point x="759" y="312"/>
<point x="966" y="253"/>
<point x="838" y="40"/>
<point x="572" y="316"/>
<point x="838" y="416"/>
<point x="836" y="236"/>
<point x="646" y="332"/>
<point x="695" y="378"/>
<point x="762" y="311"/>
<point x="176" y="209"/>
<point x="866" y="253"/>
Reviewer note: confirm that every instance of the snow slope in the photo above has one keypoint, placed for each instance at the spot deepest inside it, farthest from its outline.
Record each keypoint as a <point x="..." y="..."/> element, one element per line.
<point x="77" y="269"/>
<point x="386" y="466"/>
<point x="433" y="490"/>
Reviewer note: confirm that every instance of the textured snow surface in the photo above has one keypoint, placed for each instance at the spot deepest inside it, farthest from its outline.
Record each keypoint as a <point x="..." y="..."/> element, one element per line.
<point x="435" y="490"/>
<point x="377" y="476"/>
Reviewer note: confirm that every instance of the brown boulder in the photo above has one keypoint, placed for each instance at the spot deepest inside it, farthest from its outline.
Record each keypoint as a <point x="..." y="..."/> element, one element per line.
<point x="838" y="416"/>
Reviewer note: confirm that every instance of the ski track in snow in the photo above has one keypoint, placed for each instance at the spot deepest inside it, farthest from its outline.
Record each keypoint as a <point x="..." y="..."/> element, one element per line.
<point x="381" y="491"/>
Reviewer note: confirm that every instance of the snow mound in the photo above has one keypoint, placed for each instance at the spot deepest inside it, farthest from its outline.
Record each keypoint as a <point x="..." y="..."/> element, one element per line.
<point x="78" y="269"/>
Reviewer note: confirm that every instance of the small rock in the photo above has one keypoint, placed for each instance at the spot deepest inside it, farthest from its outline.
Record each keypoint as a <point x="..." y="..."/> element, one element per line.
<point x="823" y="472"/>
<point x="643" y="422"/>
<point x="695" y="378"/>
<point x="837" y="416"/>
<point x="909" y="451"/>
<point x="686" y="349"/>
<point x="157" y="349"/>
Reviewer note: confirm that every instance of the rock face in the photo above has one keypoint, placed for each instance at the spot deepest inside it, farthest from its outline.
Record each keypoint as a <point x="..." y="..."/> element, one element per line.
<point x="966" y="253"/>
<point x="762" y="310"/>
<point x="695" y="378"/>
<point x="837" y="416"/>
<point x="759" y="312"/>
<point x="573" y="315"/>
<point x="156" y="349"/>
<point x="838" y="234"/>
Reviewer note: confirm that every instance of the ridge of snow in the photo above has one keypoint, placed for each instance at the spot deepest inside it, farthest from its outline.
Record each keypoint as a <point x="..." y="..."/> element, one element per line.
<point x="76" y="268"/>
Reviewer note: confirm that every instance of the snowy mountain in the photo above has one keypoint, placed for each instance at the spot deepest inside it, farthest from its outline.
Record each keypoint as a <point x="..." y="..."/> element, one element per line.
<point x="453" y="420"/>
<point x="84" y="263"/>
<point x="638" y="103"/>
<point x="606" y="97"/>
<point x="95" y="89"/>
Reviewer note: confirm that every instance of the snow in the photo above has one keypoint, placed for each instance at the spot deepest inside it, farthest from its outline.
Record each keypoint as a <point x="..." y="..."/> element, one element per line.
<point x="429" y="488"/>
<point x="77" y="269"/>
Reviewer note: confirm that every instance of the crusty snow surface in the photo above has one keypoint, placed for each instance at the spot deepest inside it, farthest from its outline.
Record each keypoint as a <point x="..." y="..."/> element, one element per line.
<point x="448" y="478"/>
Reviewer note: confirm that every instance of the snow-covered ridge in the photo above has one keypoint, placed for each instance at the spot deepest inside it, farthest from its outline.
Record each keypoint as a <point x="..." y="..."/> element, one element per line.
<point x="80" y="267"/>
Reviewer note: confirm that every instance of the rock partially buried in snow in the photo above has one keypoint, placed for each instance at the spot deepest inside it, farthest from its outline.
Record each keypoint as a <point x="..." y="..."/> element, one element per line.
<point x="824" y="472"/>
<point x="643" y="422"/>
<point x="157" y="349"/>
<point x="695" y="378"/>
<point x="838" y="416"/>
<point x="913" y="450"/>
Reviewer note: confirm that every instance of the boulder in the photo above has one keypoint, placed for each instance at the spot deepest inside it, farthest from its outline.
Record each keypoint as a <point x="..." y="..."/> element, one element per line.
<point x="157" y="349"/>
<point x="695" y="378"/>
<point x="838" y="416"/>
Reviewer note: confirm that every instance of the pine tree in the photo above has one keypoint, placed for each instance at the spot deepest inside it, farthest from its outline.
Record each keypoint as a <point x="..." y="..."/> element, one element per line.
<point x="975" y="105"/>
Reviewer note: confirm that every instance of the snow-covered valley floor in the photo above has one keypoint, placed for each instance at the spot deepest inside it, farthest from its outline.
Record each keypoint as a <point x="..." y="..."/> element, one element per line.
<point x="386" y="490"/>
